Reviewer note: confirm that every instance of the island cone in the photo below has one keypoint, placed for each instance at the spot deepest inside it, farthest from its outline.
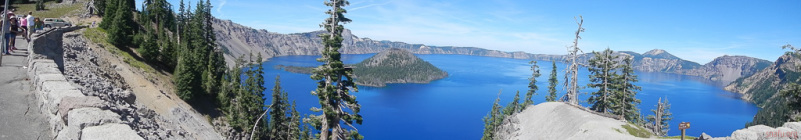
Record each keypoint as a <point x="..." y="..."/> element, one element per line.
<point x="395" y="66"/>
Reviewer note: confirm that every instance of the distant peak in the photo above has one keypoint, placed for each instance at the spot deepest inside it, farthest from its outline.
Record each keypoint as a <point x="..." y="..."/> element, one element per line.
<point x="655" y="52"/>
<point x="659" y="53"/>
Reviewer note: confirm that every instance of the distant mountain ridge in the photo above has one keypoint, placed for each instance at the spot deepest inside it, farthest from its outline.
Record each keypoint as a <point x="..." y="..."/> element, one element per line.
<point x="237" y="40"/>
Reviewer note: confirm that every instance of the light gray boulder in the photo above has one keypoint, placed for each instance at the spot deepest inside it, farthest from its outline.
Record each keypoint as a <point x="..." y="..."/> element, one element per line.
<point x="110" y="132"/>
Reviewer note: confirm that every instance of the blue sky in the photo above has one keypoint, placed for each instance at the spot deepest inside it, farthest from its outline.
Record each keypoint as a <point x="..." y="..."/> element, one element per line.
<point x="695" y="30"/>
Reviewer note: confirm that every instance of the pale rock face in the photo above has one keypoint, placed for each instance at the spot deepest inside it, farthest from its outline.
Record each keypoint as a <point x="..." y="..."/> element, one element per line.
<point x="558" y="120"/>
<point x="110" y="132"/>
<point x="654" y="52"/>
<point x="787" y="132"/>
<point x="770" y="76"/>
<point x="726" y="68"/>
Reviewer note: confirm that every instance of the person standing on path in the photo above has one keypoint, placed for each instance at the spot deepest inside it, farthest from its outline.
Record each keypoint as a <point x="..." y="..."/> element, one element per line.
<point x="6" y="33"/>
<point x="31" y="23"/>
<point x="13" y="31"/>
<point x="23" y="24"/>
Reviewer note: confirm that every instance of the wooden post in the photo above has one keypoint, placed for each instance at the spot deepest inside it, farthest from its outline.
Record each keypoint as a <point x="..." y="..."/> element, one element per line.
<point x="683" y="126"/>
<point x="682" y="134"/>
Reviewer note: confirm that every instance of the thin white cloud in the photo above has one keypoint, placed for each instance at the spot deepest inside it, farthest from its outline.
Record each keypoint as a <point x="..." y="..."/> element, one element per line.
<point x="367" y="6"/>
<point x="220" y="6"/>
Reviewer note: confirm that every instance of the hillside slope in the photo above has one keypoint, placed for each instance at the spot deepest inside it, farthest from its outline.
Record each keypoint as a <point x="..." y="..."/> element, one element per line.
<point x="557" y="120"/>
<point x="727" y="69"/>
<point x="762" y="86"/>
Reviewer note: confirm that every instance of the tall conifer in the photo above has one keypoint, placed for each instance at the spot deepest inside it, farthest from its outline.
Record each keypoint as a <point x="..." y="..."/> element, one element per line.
<point x="625" y="100"/>
<point x="602" y="67"/>
<point x="552" y="82"/>
<point x="335" y="81"/>
<point x="532" y="84"/>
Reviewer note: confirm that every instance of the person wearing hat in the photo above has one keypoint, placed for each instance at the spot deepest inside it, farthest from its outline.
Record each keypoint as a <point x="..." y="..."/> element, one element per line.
<point x="12" y="34"/>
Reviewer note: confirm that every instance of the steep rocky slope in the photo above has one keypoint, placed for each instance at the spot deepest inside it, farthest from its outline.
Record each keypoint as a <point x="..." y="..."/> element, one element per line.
<point x="726" y="69"/>
<point x="238" y="40"/>
<point x="763" y="85"/>
<point x="395" y="66"/>
<point x="763" y="88"/>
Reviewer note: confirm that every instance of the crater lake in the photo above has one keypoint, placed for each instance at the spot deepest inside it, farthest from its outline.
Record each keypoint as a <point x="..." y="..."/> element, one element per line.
<point x="453" y="107"/>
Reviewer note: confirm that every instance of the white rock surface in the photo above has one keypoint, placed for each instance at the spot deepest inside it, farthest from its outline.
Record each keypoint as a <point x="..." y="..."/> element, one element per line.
<point x="110" y="132"/>
<point x="557" y="120"/>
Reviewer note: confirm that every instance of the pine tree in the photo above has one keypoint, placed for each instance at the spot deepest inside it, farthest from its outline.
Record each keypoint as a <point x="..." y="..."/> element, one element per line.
<point x="232" y="98"/>
<point x="532" y="85"/>
<point x="305" y="133"/>
<point x="40" y="5"/>
<point x="335" y="81"/>
<point x="278" y="121"/>
<point x="513" y="107"/>
<point x="493" y="119"/>
<point x="625" y="93"/>
<point x="149" y="49"/>
<point x="661" y="118"/>
<point x="249" y="103"/>
<point x="602" y="68"/>
<point x="121" y="29"/>
<point x="231" y="85"/>
<point x="552" y="82"/>
<point x="109" y="11"/>
<point x="183" y="78"/>
<point x="168" y="54"/>
<point x="295" y="130"/>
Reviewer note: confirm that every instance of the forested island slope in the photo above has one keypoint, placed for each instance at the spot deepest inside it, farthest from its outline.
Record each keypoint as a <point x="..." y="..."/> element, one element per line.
<point x="395" y="66"/>
<point x="390" y="66"/>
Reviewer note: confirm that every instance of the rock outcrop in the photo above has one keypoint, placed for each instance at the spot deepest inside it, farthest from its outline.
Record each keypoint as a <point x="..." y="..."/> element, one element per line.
<point x="726" y="69"/>
<point x="395" y="66"/>
<point x="558" y="120"/>
<point x="658" y="60"/>
<point x="764" y="84"/>
<point x="787" y="131"/>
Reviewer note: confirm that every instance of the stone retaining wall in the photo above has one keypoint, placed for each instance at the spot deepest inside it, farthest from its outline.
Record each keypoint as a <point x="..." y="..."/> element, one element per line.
<point x="72" y="114"/>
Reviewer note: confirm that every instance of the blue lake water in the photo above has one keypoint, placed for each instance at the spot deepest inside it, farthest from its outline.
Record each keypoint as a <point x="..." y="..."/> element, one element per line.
<point x="452" y="108"/>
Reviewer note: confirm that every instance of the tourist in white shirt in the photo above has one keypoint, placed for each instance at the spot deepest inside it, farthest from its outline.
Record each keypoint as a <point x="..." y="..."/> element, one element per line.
<point x="31" y="30"/>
